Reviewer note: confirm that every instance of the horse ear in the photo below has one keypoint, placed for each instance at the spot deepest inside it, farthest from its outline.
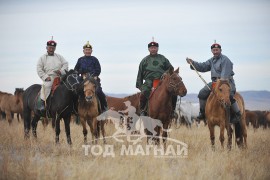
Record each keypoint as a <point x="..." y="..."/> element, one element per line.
<point x="171" y="69"/>
<point x="177" y="70"/>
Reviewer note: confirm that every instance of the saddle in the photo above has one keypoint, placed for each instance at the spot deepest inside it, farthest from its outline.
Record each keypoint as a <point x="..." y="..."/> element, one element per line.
<point x="56" y="83"/>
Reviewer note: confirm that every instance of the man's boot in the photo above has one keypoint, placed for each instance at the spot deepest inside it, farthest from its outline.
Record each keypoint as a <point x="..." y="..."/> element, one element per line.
<point x="202" y="109"/>
<point x="237" y="113"/>
<point x="143" y="101"/>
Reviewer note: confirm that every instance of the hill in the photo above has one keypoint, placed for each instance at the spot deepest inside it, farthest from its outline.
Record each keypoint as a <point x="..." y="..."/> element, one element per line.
<point x="254" y="100"/>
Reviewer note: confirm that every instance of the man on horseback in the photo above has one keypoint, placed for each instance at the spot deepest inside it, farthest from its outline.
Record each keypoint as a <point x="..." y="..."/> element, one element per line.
<point x="90" y="64"/>
<point x="221" y="67"/>
<point x="49" y="66"/>
<point x="151" y="69"/>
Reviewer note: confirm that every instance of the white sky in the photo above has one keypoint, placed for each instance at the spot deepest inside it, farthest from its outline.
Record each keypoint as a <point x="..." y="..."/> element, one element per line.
<point x="119" y="32"/>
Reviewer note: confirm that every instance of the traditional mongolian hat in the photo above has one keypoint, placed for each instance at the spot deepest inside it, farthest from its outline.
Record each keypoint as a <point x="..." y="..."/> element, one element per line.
<point x="153" y="43"/>
<point x="51" y="43"/>
<point x="87" y="45"/>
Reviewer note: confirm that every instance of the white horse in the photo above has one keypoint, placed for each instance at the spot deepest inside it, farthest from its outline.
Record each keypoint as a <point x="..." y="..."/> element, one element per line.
<point x="187" y="110"/>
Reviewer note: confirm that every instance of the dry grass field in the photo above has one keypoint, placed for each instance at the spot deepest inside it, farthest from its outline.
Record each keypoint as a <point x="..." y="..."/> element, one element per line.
<point x="42" y="159"/>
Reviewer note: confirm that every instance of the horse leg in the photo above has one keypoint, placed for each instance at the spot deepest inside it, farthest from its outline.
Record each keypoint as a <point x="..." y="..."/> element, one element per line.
<point x="165" y="133"/>
<point x="212" y="135"/>
<point x="57" y="129"/>
<point x="84" y="129"/>
<point x="8" y="117"/>
<point x="67" y="128"/>
<point x="229" y="133"/>
<point x="101" y="124"/>
<point x="244" y="130"/>
<point x="34" y="125"/>
<point x="93" y="129"/>
<point x="27" y="120"/>
<point x="221" y="135"/>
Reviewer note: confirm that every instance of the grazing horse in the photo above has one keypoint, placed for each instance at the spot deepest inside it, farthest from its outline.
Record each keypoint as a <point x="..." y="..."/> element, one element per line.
<point x="160" y="102"/>
<point x="118" y="104"/>
<point x="59" y="105"/>
<point x="217" y="112"/>
<point x="252" y="117"/>
<point x="12" y="104"/>
<point x="88" y="110"/>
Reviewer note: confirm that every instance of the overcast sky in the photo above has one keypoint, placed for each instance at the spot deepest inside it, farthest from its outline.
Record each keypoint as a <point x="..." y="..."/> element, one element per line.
<point x="119" y="32"/>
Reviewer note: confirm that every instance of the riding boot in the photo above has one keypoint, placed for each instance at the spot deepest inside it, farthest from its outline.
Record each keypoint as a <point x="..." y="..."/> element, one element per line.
<point x="102" y="99"/>
<point x="174" y="101"/>
<point x="202" y="109"/>
<point x="143" y="102"/>
<point x="237" y="113"/>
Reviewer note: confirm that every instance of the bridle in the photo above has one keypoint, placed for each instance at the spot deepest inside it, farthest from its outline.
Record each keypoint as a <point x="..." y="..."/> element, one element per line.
<point x="68" y="85"/>
<point x="172" y="85"/>
<point x="215" y="94"/>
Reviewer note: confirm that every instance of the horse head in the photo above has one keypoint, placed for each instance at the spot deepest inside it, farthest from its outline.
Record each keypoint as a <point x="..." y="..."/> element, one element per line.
<point x="18" y="94"/>
<point x="89" y="87"/>
<point x="71" y="80"/>
<point x="175" y="84"/>
<point x="222" y="90"/>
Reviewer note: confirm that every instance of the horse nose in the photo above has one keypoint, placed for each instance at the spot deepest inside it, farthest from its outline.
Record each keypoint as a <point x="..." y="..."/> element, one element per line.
<point x="88" y="98"/>
<point x="184" y="92"/>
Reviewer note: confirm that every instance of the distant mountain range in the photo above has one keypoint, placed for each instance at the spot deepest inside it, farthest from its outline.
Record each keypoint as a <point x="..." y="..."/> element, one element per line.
<point x="254" y="100"/>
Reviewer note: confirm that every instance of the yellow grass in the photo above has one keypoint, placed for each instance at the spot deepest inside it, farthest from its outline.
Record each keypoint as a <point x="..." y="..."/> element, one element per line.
<point x="42" y="159"/>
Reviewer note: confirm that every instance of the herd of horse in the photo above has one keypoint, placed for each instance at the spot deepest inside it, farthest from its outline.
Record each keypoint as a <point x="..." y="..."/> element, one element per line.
<point x="60" y="105"/>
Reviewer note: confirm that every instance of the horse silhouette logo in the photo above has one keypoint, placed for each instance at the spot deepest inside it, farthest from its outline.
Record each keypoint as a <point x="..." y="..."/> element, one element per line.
<point x="127" y="122"/>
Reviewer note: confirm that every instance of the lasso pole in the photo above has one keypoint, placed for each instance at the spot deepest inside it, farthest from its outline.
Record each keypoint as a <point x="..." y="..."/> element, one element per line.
<point x="190" y="62"/>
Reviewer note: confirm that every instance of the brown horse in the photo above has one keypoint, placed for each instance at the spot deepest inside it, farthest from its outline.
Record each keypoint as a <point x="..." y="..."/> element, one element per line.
<point x="12" y="104"/>
<point x="118" y="104"/>
<point x="217" y="113"/>
<point x="252" y="117"/>
<point x="160" y="102"/>
<point x="267" y="118"/>
<point x="88" y="110"/>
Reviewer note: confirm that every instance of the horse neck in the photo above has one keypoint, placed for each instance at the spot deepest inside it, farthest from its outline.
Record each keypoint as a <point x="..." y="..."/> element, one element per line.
<point x="214" y="99"/>
<point x="163" y="92"/>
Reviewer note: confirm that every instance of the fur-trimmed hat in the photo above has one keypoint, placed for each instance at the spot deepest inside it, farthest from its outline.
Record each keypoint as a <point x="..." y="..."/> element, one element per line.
<point x="215" y="45"/>
<point x="51" y="43"/>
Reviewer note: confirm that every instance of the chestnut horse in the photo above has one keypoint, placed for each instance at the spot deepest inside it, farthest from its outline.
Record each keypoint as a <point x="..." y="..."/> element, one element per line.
<point x="118" y="104"/>
<point x="160" y="101"/>
<point x="88" y="110"/>
<point x="217" y="112"/>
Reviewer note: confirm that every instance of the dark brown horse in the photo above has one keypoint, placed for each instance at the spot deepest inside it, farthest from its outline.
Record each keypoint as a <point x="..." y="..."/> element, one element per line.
<point x="217" y="113"/>
<point x="88" y="110"/>
<point x="252" y="117"/>
<point x="118" y="104"/>
<point x="160" y="102"/>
